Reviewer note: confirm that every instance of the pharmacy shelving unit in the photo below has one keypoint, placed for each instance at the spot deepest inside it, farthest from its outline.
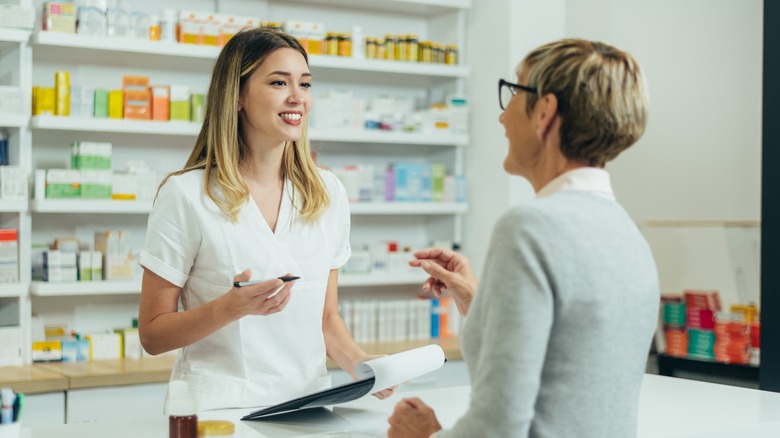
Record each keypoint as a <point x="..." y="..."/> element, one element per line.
<point x="101" y="62"/>
<point x="15" y="71"/>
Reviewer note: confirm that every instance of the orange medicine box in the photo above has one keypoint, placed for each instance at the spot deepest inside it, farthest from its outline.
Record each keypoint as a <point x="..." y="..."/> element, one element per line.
<point x="161" y="98"/>
<point x="137" y="98"/>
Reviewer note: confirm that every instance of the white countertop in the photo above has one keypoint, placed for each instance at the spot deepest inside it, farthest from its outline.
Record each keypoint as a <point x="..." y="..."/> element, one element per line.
<point x="669" y="407"/>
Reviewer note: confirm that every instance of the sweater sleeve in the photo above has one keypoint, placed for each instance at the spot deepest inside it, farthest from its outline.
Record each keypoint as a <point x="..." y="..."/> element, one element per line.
<point x="509" y="327"/>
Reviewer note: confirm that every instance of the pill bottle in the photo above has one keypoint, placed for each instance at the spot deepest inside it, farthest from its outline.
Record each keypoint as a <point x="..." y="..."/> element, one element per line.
<point x="168" y="24"/>
<point x="345" y="44"/>
<point x="451" y="55"/>
<point x="154" y="27"/>
<point x="182" y="413"/>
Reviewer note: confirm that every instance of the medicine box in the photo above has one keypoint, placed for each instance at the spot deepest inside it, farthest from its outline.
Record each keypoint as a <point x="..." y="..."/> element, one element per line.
<point x="43" y="101"/>
<point x="19" y="16"/>
<point x="117" y="262"/>
<point x="161" y="101"/>
<point x="63" y="183"/>
<point x="96" y="184"/>
<point x="13" y="183"/>
<point x="74" y="350"/>
<point x="180" y="103"/>
<point x="10" y="97"/>
<point x="101" y="104"/>
<point x="11" y="346"/>
<point x="104" y="346"/>
<point x="115" y="104"/>
<point x="82" y="101"/>
<point x="85" y="266"/>
<point x="46" y="351"/>
<point x="90" y="155"/>
<point x="59" y="17"/>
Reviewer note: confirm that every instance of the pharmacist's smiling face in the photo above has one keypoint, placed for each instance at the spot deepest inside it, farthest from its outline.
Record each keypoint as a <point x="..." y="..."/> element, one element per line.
<point x="275" y="101"/>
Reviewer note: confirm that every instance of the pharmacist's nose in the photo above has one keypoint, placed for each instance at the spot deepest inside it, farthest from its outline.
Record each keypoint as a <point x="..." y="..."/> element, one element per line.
<point x="297" y="96"/>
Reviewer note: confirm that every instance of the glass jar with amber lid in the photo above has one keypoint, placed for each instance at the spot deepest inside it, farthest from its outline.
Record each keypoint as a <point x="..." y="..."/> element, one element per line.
<point x="332" y="43"/>
<point x="345" y="44"/>
<point x="390" y="43"/>
<point x="412" y="47"/>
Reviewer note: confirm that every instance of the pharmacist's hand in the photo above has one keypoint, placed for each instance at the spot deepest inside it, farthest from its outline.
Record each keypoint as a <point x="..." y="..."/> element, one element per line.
<point x="258" y="299"/>
<point x="448" y="270"/>
<point x="412" y="418"/>
<point x="383" y="394"/>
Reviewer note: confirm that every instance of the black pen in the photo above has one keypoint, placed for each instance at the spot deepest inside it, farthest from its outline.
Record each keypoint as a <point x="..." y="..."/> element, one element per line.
<point x="249" y="283"/>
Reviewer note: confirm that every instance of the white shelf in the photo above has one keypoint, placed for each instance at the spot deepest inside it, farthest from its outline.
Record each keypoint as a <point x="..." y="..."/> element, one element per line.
<point x="14" y="35"/>
<point x="126" y="45"/>
<point x="13" y="290"/>
<point x="365" y="136"/>
<point x="387" y="67"/>
<point x="89" y="124"/>
<point x="73" y="288"/>
<point x="54" y="40"/>
<point x="383" y="279"/>
<point x="13" y="120"/>
<point x="414" y="7"/>
<point x="68" y="123"/>
<point x="408" y="208"/>
<point x="103" y="206"/>
<point x="13" y="206"/>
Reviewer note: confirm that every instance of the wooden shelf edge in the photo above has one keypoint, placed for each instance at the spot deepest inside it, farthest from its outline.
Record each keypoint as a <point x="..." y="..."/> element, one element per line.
<point x="59" y="376"/>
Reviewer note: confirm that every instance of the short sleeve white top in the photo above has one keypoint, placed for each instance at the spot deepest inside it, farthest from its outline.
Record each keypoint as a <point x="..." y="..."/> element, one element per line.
<point x="256" y="360"/>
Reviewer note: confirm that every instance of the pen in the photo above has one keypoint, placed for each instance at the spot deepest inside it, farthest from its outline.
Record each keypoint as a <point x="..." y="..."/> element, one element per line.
<point x="249" y="283"/>
<point x="7" y="410"/>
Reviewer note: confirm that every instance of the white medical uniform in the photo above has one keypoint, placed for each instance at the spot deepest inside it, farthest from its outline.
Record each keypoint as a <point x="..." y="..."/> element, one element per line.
<point x="256" y="360"/>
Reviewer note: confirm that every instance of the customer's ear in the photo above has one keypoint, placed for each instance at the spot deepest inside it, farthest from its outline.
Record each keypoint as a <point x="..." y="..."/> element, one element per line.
<point x="548" y="111"/>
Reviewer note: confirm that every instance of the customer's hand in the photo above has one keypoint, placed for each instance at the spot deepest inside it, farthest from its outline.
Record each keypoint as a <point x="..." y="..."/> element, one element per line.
<point x="448" y="270"/>
<point x="412" y="418"/>
<point x="264" y="298"/>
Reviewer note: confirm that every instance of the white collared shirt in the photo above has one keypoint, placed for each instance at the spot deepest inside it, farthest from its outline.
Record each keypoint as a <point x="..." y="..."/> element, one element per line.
<point x="584" y="179"/>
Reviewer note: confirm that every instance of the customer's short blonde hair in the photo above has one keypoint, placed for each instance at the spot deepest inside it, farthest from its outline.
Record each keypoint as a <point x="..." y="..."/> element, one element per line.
<point x="602" y="96"/>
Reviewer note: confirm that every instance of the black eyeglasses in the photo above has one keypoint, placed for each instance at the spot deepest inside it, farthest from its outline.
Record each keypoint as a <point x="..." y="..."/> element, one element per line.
<point x="507" y="89"/>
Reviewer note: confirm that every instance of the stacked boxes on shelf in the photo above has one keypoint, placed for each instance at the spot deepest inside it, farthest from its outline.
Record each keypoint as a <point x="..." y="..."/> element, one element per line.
<point x="673" y="320"/>
<point x="372" y="321"/>
<point x="9" y="256"/>
<point x="57" y="344"/>
<point x="401" y="182"/>
<point x="700" y="310"/>
<point x="136" y="100"/>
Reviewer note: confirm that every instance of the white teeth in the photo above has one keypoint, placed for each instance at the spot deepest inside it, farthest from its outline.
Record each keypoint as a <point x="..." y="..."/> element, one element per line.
<point x="290" y="116"/>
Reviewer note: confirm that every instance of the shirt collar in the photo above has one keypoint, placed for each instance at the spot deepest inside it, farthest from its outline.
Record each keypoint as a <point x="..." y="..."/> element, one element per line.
<point x="583" y="179"/>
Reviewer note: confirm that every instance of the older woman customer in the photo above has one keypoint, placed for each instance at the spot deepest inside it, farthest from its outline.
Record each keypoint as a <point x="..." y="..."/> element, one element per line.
<point x="556" y="340"/>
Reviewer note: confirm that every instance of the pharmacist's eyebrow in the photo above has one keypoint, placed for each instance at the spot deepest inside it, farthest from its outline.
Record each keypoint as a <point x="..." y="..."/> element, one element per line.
<point x="286" y="73"/>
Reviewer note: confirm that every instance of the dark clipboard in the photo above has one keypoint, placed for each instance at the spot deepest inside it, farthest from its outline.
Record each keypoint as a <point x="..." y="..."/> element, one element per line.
<point x="331" y="396"/>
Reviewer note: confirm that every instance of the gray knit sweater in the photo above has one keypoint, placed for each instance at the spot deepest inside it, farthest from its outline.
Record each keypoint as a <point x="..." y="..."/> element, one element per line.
<point x="557" y="337"/>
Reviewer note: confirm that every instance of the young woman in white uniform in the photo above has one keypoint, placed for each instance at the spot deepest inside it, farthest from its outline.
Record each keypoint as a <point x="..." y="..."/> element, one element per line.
<point x="250" y="204"/>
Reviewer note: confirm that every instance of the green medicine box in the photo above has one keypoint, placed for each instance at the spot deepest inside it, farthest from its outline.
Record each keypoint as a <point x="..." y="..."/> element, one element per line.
<point x="101" y="104"/>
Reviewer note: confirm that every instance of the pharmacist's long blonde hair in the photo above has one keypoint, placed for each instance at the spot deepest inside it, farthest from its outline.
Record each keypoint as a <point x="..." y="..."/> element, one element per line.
<point x="220" y="146"/>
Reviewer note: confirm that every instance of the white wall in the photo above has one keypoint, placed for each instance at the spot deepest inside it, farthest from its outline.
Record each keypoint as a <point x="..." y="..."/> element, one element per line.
<point x="700" y="156"/>
<point x="499" y="33"/>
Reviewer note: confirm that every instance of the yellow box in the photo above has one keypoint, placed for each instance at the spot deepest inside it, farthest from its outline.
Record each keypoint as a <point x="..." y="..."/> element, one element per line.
<point x="115" y="104"/>
<point x="46" y="351"/>
<point x="43" y="101"/>
<point x="62" y="93"/>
